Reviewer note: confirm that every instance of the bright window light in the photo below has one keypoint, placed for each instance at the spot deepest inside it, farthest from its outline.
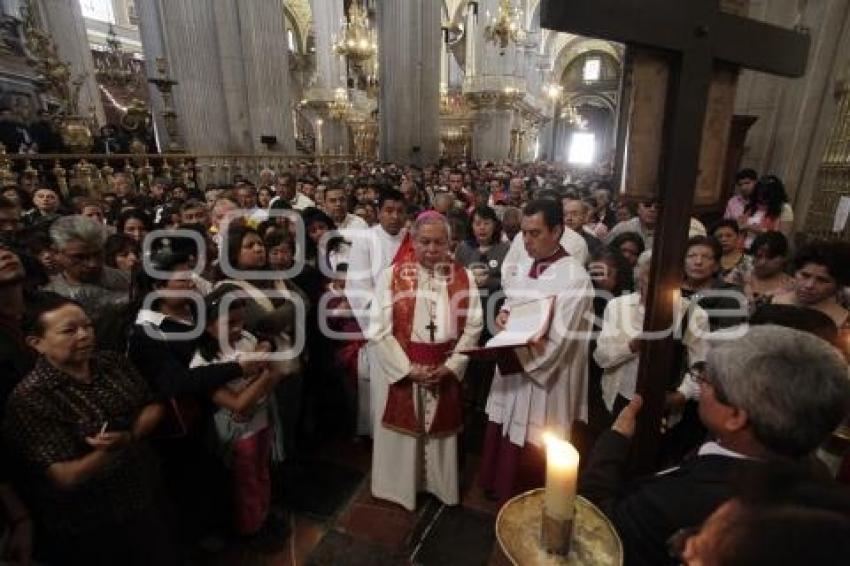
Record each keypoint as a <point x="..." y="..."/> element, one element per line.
<point x="582" y="148"/>
<point x="592" y="69"/>
<point x="290" y="39"/>
<point x="100" y="10"/>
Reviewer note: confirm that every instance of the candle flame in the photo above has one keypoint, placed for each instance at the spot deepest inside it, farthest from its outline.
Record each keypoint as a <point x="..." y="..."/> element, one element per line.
<point x="560" y="451"/>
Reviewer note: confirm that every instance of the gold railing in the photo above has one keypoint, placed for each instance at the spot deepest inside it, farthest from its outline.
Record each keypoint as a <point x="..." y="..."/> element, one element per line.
<point x="93" y="172"/>
<point x="833" y="178"/>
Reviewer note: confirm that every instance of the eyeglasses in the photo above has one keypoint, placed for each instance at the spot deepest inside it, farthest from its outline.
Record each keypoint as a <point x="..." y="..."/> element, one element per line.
<point x="677" y="541"/>
<point x="702" y="377"/>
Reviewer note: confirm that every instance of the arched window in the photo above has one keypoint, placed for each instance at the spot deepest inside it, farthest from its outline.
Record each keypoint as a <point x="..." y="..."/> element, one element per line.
<point x="100" y="10"/>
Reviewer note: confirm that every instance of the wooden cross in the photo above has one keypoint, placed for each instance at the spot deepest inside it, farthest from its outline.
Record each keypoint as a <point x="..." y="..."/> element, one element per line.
<point x="432" y="329"/>
<point x="695" y="34"/>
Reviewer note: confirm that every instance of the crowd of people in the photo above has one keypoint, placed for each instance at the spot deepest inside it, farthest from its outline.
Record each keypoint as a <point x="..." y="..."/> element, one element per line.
<point x="164" y="349"/>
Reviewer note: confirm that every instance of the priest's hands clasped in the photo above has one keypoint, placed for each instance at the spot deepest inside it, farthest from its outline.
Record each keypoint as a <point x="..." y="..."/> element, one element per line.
<point x="429" y="376"/>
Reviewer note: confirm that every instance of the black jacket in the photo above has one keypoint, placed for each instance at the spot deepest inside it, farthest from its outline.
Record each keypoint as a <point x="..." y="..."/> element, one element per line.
<point x="648" y="511"/>
<point x="165" y="363"/>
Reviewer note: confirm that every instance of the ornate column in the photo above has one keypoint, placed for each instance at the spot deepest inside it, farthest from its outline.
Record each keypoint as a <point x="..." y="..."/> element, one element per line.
<point x="153" y="45"/>
<point x="494" y="120"/>
<point x="63" y="19"/>
<point x="266" y="67"/>
<point x="330" y="71"/>
<point x="493" y="90"/>
<point x="409" y="40"/>
<point x="471" y="33"/>
<point x="191" y="46"/>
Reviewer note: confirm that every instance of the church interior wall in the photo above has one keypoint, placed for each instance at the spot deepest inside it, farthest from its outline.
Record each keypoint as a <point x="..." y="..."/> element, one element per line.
<point x="793" y="114"/>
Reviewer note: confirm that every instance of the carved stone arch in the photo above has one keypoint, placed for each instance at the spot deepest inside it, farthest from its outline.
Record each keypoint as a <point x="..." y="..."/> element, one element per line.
<point x="454" y="13"/>
<point x="300" y="15"/>
<point x="595" y="99"/>
<point x="533" y="14"/>
<point x="577" y="46"/>
<point x="456" y="10"/>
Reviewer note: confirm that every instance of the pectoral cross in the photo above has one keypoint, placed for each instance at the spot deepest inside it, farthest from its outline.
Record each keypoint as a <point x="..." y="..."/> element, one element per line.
<point x="432" y="329"/>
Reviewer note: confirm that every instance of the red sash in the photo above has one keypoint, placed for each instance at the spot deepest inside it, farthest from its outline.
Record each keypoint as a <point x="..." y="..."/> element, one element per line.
<point x="404" y="254"/>
<point x="400" y="410"/>
<point x="541" y="265"/>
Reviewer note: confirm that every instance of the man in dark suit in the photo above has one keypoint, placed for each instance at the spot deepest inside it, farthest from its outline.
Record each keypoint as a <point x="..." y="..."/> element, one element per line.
<point x="809" y="396"/>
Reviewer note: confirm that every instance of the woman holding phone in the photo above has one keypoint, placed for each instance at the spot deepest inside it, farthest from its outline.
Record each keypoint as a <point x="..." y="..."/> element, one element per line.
<point x="77" y="424"/>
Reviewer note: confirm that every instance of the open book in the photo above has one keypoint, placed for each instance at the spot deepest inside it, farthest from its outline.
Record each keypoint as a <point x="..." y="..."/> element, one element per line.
<point x="528" y="322"/>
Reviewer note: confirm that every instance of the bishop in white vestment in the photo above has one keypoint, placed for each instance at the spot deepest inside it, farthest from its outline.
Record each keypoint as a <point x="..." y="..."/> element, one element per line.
<point x="424" y="313"/>
<point x="541" y="387"/>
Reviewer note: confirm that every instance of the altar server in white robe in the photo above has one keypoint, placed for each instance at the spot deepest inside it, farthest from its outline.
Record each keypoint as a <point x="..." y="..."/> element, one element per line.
<point x="372" y="251"/>
<point x="571" y="241"/>
<point x="541" y="387"/>
<point x="425" y="312"/>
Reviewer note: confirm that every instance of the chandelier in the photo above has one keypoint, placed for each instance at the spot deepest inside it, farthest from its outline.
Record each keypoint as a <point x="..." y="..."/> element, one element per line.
<point x="114" y="66"/>
<point x="569" y="111"/>
<point x="506" y="27"/>
<point x="339" y="107"/>
<point x="356" y="39"/>
<point x="572" y="116"/>
<point x="450" y="102"/>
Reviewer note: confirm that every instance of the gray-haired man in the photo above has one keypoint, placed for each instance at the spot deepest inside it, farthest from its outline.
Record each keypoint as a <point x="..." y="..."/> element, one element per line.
<point x="83" y="276"/>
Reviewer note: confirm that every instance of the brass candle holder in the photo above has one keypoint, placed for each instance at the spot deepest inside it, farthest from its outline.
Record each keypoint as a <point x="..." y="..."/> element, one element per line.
<point x="556" y="535"/>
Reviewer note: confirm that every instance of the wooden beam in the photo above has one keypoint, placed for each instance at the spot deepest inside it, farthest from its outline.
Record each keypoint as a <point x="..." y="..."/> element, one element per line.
<point x="770" y="49"/>
<point x="675" y="25"/>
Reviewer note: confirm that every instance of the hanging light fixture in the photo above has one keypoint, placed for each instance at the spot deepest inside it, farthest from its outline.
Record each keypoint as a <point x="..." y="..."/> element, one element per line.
<point x="572" y="116"/>
<point x="339" y="107"/>
<point x="506" y="27"/>
<point x="569" y="111"/>
<point x="356" y="39"/>
<point x="114" y="66"/>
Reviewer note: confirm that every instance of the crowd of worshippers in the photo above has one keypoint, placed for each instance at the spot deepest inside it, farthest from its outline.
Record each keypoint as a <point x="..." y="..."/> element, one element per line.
<point x="166" y="350"/>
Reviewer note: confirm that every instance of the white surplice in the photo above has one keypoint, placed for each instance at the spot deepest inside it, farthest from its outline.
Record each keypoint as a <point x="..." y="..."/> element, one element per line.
<point x="372" y="251"/>
<point x="551" y="391"/>
<point x="622" y="322"/>
<point x="403" y="465"/>
<point x="571" y="241"/>
<point x="350" y="229"/>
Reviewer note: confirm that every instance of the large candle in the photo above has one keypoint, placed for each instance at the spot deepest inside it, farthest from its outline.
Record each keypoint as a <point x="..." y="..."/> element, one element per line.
<point x="561" y="476"/>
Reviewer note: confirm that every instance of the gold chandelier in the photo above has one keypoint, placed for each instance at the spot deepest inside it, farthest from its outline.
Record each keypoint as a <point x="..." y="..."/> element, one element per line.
<point x="506" y="27"/>
<point x="339" y="107"/>
<point x="114" y="66"/>
<point x="356" y="39"/>
<point x="569" y="111"/>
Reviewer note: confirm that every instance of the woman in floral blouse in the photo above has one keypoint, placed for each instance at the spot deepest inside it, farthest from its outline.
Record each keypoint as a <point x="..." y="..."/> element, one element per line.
<point x="76" y="426"/>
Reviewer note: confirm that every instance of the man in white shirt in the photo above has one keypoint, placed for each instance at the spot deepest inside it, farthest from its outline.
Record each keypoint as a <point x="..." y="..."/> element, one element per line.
<point x="336" y="205"/>
<point x="285" y="189"/>
<point x="372" y="251"/>
<point x="246" y="194"/>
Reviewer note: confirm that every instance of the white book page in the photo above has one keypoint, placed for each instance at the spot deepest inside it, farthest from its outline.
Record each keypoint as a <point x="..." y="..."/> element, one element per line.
<point x="527" y="322"/>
